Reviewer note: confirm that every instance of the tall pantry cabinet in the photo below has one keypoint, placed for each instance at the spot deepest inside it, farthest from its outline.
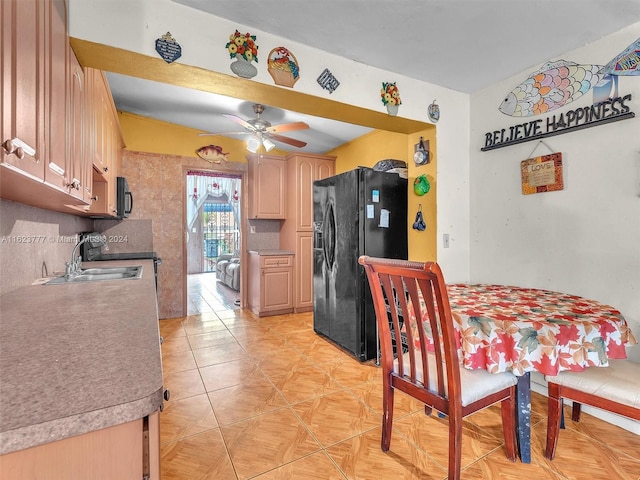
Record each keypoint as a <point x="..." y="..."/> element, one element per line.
<point x="296" y="233"/>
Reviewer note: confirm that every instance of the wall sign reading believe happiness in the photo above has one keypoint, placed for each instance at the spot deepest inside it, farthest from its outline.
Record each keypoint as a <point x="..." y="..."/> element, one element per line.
<point x="605" y="112"/>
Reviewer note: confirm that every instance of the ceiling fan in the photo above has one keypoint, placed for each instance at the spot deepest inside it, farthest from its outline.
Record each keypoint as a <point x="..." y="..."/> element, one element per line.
<point x="263" y="132"/>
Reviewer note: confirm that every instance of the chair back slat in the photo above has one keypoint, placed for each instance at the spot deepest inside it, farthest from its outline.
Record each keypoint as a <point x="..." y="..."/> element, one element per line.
<point x="415" y="324"/>
<point x="420" y="353"/>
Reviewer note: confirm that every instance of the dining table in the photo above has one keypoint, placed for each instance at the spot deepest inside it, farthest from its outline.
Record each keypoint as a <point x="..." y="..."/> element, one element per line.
<point x="504" y="328"/>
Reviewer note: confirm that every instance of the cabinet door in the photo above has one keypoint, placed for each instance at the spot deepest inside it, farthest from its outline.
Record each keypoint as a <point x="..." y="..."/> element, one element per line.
<point x="23" y="53"/>
<point x="304" y="272"/>
<point x="304" y="193"/>
<point x="267" y="197"/>
<point x="55" y="94"/>
<point x="324" y="168"/>
<point x="80" y="174"/>
<point x="276" y="286"/>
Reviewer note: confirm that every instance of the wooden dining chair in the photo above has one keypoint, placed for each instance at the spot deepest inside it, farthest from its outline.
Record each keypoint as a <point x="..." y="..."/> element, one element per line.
<point x="411" y="302"/>
<point x="615" y="388"/>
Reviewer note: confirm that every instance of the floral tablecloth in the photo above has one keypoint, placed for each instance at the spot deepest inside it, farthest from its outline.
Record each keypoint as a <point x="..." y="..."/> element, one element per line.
<point x="504" y="328"/>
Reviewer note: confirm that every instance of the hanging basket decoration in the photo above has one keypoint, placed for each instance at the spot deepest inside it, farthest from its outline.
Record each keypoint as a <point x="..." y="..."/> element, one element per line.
<point x="244" y="50"/>
<point x="283" y="67"/>
<point x="390" y="96"/>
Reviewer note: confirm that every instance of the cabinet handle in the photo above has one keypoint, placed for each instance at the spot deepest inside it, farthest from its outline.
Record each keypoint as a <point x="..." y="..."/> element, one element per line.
<point x="105" y="169"/>
<point x="95" y="199"/>
<point x="17" y="146"/>
<point x="75" y="184"/>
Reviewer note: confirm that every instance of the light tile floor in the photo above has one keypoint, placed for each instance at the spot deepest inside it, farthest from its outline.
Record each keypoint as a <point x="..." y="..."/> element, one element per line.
<point x="267" y="398"/>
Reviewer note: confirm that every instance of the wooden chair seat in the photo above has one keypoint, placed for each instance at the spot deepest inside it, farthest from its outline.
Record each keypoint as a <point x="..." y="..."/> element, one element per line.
<point x="410" y="299"/>
<point x="615" y="388"/>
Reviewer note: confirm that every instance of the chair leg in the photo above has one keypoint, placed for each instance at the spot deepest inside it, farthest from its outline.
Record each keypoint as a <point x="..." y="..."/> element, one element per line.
<point x="575" y="412"/>
<point x="387" y="415"/>
<point x="553" y="421"/>
<point x="455" y="446"/>
<point x="508" y="408"/>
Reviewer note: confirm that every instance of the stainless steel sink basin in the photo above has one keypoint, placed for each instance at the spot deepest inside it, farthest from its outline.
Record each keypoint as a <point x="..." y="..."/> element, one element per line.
<point x="99" y="274"/>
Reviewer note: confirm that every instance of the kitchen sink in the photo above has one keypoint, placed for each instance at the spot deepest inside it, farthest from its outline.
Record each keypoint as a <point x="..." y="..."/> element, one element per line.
<point x="98" y="274"/>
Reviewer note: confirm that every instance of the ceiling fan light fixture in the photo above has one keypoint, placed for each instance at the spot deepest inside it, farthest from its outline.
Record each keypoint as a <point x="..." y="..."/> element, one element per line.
<point x="253" y="144"/>
<point x="268" y="144"/>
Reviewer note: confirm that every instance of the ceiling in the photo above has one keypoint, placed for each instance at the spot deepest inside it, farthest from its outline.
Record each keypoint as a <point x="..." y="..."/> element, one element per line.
<point x="464" y="45"/>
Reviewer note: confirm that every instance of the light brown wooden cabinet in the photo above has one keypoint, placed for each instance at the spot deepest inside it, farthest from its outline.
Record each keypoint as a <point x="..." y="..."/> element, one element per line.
<point x="80" y="174"/>
<point x="23" y="53"/>
<point x="114" y="452"/>
<point x="296" y="233"/>
<point x="270" y="285"/>
<point x="105" y="143"/>
<point x="267" y="176"/>
<point x="57" y="167"/>
<point x="44" y="159"/>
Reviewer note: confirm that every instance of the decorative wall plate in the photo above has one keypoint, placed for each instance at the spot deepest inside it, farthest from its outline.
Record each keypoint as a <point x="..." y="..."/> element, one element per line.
<point x="168" y="48"/>
<point x="283" y="67"/>
<point x="433" y="111"/>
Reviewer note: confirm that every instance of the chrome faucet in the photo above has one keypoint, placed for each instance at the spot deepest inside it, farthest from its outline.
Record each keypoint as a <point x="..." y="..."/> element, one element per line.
<point x="73" y="267"/>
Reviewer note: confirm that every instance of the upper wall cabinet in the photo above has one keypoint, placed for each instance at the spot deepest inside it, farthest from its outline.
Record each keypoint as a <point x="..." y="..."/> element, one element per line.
<point x="267" y="176"/>
<point x="44" y="159"/>
<point x="23" y="53"/>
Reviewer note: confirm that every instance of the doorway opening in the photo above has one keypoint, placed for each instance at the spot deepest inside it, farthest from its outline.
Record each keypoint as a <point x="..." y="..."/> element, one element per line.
<point x="214" y="238"/>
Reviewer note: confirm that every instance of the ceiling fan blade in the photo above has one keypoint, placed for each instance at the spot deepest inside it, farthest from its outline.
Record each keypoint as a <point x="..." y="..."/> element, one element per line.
<point x="223" y="133"/>
<point x="239" y="121"/>
<point x="287" y="127"/>
<point x="287" y="140"/>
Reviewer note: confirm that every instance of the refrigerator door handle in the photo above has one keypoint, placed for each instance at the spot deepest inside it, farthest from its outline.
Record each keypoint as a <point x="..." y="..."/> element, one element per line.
<point x="329" y="237"/>
<point x="317" y="235"/>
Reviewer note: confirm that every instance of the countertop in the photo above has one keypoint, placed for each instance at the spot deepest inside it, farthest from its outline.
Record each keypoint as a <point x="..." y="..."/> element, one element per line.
<point x="76" y="358"/>
<point x="271" y="252"/>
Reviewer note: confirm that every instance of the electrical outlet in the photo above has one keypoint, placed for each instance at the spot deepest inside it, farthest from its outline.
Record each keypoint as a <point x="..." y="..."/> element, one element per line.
<point x="252" y="229"/>
<point x="445" y="240"/>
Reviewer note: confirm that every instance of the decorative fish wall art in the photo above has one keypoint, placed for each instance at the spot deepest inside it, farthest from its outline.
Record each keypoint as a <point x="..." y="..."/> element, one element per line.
<point x="553" y="86"/>
<point x="626" y="63"/>
<point x="212" y="154"/>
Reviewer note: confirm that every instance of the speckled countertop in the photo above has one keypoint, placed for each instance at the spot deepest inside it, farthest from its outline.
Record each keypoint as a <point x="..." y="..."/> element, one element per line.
<point x="75" y="358"/>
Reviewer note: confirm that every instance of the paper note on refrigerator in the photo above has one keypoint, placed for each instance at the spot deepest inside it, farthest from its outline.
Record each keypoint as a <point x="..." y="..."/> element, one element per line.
<point x="384" y="218"/>
<point x="370" y="211"/>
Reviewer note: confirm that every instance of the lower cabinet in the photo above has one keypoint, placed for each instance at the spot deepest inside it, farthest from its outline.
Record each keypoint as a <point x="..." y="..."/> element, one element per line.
<point x="270" y="285"/>
<point x="127" y="451"/>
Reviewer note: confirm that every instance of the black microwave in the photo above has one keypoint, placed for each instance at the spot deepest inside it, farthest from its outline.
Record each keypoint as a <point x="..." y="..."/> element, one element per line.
<point x="124" y="198"/>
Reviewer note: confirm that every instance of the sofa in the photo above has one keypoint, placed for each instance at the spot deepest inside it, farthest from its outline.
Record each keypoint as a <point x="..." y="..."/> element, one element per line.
<point x="228" y="270"/>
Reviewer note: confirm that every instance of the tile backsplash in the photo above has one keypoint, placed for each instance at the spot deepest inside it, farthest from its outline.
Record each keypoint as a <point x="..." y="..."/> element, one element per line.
<point x="35" y="242"/>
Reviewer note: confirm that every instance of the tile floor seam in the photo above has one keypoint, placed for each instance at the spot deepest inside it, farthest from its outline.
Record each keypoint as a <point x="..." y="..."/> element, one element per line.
<point x="244" y="339"/>
<point x="176" y="440"/>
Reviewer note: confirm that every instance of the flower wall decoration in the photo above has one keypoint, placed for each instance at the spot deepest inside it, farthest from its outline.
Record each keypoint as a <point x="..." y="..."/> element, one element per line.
<point x="390" y="94"/>
<point x="243" y="45"/>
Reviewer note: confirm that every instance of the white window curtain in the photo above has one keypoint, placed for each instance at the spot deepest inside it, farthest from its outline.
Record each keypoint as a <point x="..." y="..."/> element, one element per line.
<point x="202" y="186"/>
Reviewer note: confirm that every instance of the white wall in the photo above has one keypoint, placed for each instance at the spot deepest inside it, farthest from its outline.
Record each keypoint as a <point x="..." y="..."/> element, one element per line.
<point x="584" y="239"/>
<point x="135" y="26"/>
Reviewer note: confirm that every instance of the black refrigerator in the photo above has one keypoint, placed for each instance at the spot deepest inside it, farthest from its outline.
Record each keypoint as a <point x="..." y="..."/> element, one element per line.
<point x="360" y="212"/>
